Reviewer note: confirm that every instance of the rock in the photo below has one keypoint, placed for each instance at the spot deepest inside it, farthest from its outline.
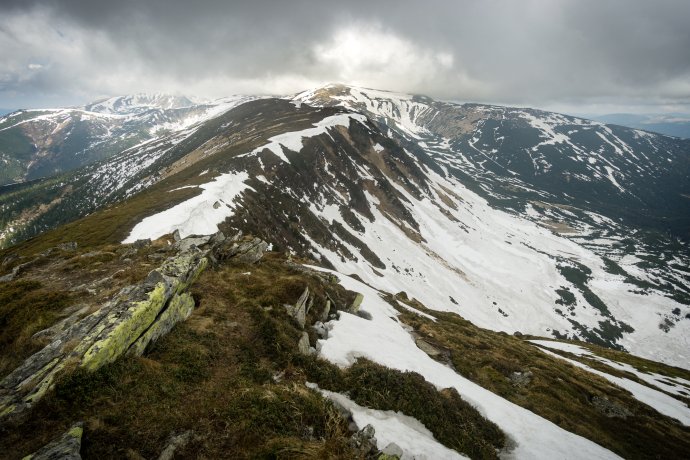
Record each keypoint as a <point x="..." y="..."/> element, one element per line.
<point x="298" y="312"/>
<point x="141" y="244"/>
<point x="179" y="309"/>
<point x="61" y="326"/>
<point x="365" y="441"/>
<point x="303" y="344"/>
<point x="391" y="451"/>
<point x="517" y="334"/>
<point x="134" y="317"/>
<point x="247" y="251"/>
<point x="69" y="246"/>
<point x="9" y="259"/>
<point x="188" y="243"/>
<point x="175" y="443"/>
<point x="428" y="348"/>
<point x="521" y="379"/>
<point x="321" y="330"/>
<point x="354" y="308"/>
<point x="176" y="235"/>
<point x="217" y="238"/>
<point x="326" y="310"/>
<point x="609" y="408"/>
<point x="16" y="271"/>
<point x="66" y="447"/>
<point x="128" y="253"/>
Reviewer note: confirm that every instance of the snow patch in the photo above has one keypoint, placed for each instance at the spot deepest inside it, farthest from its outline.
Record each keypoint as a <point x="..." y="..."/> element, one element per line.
<point x="197" y="216"/>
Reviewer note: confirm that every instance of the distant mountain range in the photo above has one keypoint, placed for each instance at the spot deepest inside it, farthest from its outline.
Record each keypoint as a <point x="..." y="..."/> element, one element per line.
<point x="677" y="125"/>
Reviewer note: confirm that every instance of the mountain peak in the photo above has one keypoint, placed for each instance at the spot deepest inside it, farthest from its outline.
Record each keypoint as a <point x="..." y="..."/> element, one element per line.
<point x="138" y="103"/>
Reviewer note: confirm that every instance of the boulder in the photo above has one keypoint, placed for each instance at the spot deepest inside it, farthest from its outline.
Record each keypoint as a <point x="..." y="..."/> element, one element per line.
<point x="246" y="251"/>
<point x="326" y="310"/>
<point x="391" y="452"/>
<point x="364" y="441"/>
<point x="188" y="243"/>
<point x="428" y="348"/>
<point x="66" y="447"/>
<point x="303" y="345"/>
<point x="298" y="311"/>
<point x="354" y="308"/>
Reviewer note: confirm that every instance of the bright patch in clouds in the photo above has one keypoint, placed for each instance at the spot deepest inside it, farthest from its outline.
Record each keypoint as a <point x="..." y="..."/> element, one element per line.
<point x="366" y="54"/>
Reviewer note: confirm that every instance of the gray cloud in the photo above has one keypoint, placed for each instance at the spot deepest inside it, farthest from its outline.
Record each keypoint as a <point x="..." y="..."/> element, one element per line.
<point x="551" y="53"/>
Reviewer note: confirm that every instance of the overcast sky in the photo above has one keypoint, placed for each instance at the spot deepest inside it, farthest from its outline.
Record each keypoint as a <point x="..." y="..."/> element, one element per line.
<point x="577" y="56"/>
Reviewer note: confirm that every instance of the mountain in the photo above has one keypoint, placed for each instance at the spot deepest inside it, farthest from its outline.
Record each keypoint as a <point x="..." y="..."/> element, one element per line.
<point x="41" y="143"/>
<point x="452" y="239"/>
<point x="677" y="125"/>
<point x="456" y="215"/>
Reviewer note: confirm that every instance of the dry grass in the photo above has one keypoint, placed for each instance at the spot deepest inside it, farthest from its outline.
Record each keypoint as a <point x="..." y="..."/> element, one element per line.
<point x="557" y="391"/>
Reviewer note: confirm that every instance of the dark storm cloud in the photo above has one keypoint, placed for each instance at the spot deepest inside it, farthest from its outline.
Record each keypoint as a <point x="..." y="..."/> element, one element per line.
<point x="536" y="52"/>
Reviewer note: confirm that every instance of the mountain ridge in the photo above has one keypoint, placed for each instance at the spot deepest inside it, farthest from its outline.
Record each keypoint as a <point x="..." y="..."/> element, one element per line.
<point x="386" y="183"/>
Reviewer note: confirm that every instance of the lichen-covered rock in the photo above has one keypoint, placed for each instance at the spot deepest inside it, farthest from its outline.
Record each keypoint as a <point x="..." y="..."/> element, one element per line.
<point x="179" y="309"/>
<point x="428" y="348"/>
<point x="62" y="325"/>
<point x="186" y="244"/>
<point x="246" y="251"/>
<point x="135" y="316"/>
<point x="391" y="452"/>
<point x="66" y="447"/>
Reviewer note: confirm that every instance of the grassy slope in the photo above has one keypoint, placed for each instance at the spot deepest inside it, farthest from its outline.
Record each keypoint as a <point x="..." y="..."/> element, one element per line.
<point x="558" y="391"/>
<point x="214" y="374"/>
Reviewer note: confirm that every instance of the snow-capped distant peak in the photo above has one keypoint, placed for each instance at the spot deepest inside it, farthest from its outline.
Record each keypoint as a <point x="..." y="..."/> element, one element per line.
<point x="137" y="103"/>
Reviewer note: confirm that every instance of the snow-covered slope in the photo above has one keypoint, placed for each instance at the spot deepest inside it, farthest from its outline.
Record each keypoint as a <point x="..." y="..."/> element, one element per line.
<point x="40" y="143"/>
<point x="386" y="198"/>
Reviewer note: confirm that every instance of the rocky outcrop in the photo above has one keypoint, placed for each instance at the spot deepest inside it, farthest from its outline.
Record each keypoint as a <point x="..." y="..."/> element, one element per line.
<point x="66" y="447"/>
<point x="248" y="252"/>
<point x="136" y="316"/>
<point x="364" y="441"/>
<point x="298" y="311"/>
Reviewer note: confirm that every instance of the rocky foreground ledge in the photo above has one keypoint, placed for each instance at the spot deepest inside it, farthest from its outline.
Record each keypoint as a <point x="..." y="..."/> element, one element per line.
<point x="136" y="316"/>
